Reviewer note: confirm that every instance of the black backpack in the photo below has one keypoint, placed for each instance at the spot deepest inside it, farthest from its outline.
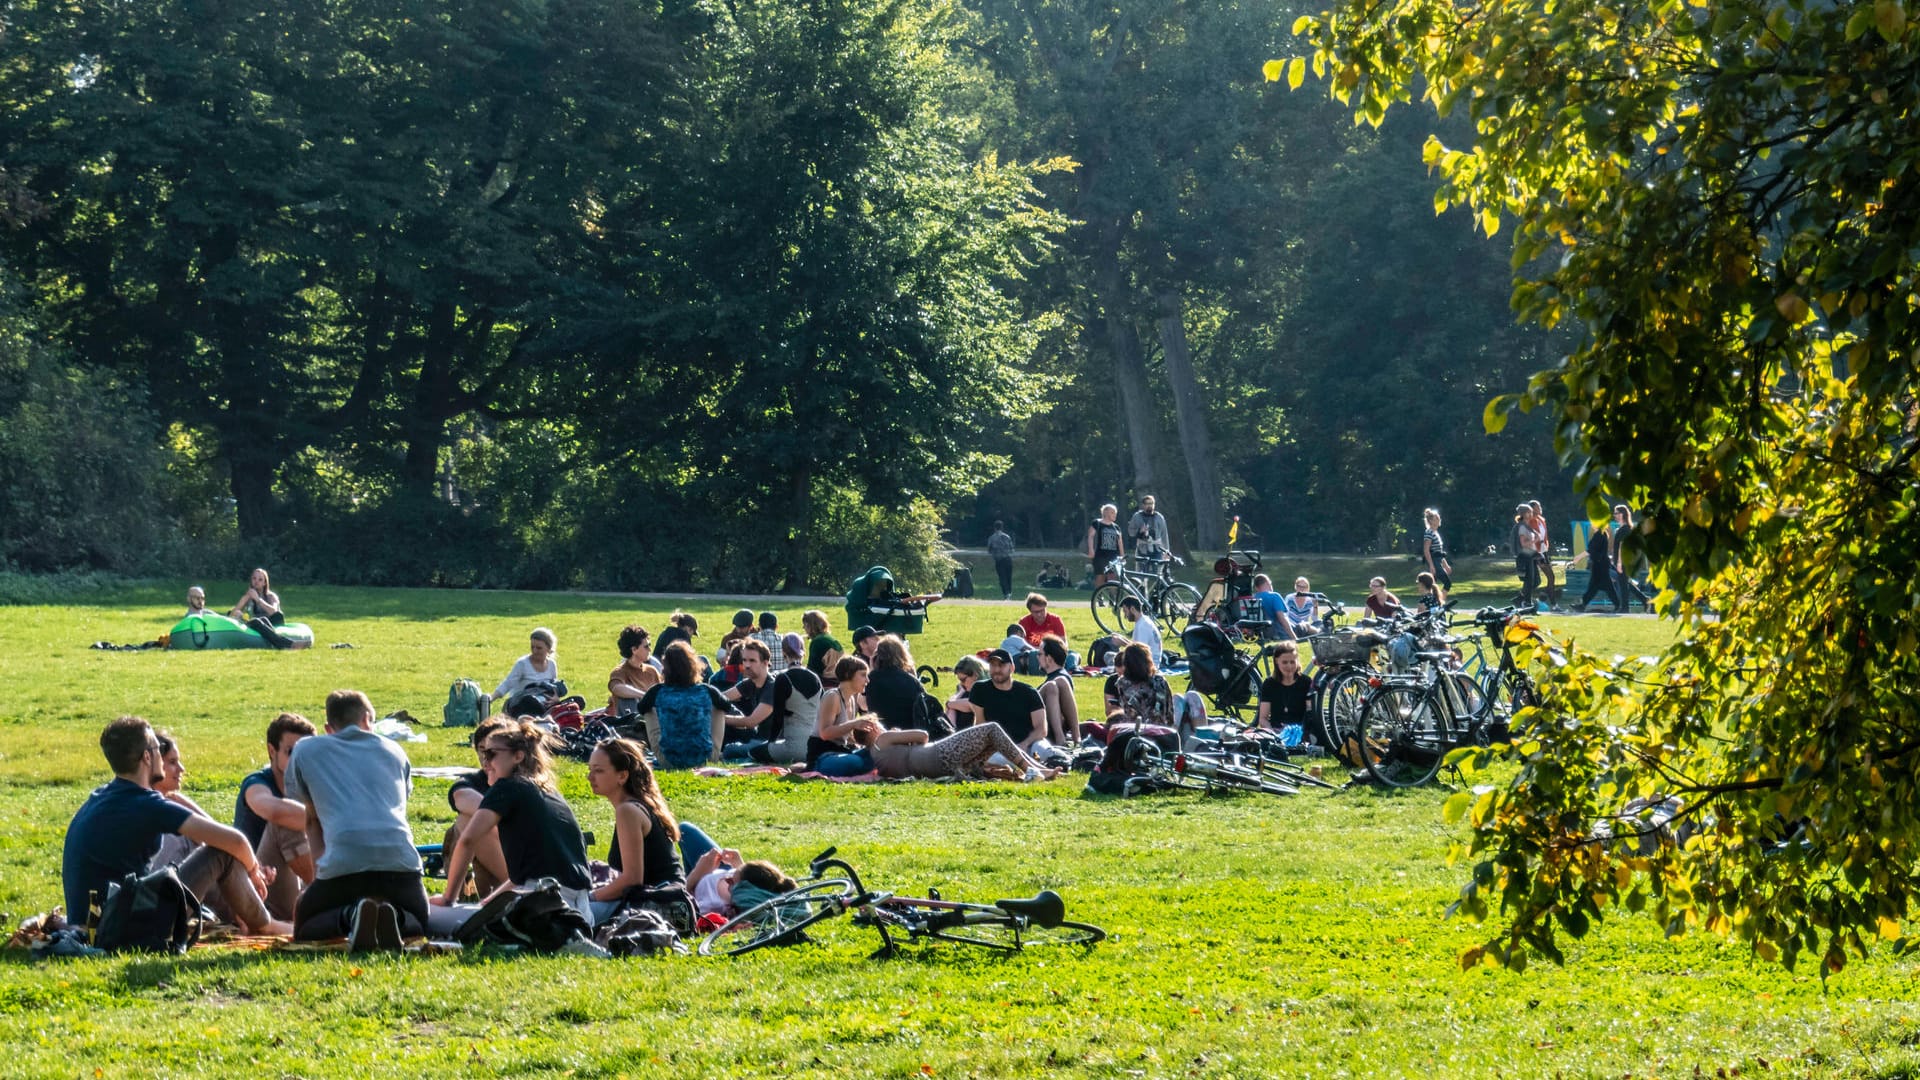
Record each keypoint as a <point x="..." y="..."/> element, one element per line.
<point x="154" y="913"/>
<point x="538" y="918"/>
<point x="961" y="584"/>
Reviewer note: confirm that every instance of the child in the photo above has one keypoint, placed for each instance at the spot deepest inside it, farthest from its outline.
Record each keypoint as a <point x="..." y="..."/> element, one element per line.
<point x="1016" y="642"/>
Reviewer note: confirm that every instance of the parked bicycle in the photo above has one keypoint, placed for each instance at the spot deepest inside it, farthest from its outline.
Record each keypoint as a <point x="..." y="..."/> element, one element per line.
<point x="1170" y="602"/>
<point x="1409" y="723"/>
<point x="1004" y="925"/>
<point x="1344" y="661"/>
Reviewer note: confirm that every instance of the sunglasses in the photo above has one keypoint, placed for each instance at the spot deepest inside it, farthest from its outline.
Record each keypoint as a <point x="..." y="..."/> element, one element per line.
<point x="487" y="753"/>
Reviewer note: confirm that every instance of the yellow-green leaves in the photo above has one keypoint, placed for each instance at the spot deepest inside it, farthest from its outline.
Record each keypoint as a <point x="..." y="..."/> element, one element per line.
<point x="1272" y="69"/>
<point x="1890" y="18"/>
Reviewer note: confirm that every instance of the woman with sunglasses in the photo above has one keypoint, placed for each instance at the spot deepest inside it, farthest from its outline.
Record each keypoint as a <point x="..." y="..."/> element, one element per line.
<point x="538" y="833"/>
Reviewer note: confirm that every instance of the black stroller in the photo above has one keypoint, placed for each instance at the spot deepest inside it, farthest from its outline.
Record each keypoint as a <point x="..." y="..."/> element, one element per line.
<point x="1229" y="678"/>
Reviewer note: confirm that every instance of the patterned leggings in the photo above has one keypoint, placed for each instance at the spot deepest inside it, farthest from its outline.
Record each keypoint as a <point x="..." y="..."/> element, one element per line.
<point x="964" y="753"/>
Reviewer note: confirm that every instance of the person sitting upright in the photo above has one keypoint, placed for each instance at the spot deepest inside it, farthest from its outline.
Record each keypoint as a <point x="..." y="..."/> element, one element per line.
<point x="769" y="635"/>
<point x="1038" y="622"/>
<point x="1273" y="609"/>
<point x="275" y="825"/>
<point x="686" y="717"/>
<point x="1302" y="610"/>
<point x="1014" y="706"/>
<point x="1286" y="694"/>
<point x="636" y="675"/>
<point x="823" y="649"/>
<point x="539" y="666"/>
<point x="366" y="869"/>
<point x="259" y="601"/>
<point x="640" y="851"/>
<point x="117" y="832"/>
<point x="1144" y="630"/>
<point x="538" y="833"/>
<point x="1056" y="693"/>
<point x="465" y="797"/>
<point x="1381" y="603"/>
<point x="894" y="692"/>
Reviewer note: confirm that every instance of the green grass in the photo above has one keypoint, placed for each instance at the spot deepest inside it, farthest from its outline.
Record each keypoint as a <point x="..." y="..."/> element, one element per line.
<point x="1251" y="936"/>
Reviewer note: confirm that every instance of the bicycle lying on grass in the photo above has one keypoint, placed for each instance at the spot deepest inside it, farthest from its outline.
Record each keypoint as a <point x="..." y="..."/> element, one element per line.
<point x="1244" y="759"/>
<point x="1004" y="926"/>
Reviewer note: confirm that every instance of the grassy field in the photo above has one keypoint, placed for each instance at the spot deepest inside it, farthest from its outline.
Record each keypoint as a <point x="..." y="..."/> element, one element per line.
<point x="1251" y="936"/>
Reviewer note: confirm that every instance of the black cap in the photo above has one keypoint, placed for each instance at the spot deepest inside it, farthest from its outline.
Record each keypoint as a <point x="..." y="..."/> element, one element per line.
<point x="862" y="633"/>
<point x="1000" y="656"/>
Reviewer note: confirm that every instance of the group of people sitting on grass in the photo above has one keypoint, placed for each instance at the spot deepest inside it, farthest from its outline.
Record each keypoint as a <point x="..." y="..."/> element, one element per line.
<point x="320" y="847"/>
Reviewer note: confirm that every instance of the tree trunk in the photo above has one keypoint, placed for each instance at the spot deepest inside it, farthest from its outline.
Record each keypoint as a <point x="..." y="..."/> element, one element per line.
<point x="423" y="428"/>
<point x="251" y="467"/>
<point x="1129" y="365"/>
<point x="1196" y="442"/>
<point x="799" y="497"/>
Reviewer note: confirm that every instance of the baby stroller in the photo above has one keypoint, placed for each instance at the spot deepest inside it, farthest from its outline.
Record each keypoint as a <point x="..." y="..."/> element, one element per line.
<point x="871" y="601"/>
<point x="1229" y="679"/>
<point x="1228" y="602"/>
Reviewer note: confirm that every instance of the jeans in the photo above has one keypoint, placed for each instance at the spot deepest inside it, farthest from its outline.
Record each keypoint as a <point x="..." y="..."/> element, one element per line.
<point x="857" y="763"/>
<point x="279" y="847"/>
<point x="326" y="908"/>
<point x="1527" y="565"/>
<point x="740" y="751"/>
<point x="1003" y="566"/>
<point x="693" y="844"/>
<point x="211" y="872"/>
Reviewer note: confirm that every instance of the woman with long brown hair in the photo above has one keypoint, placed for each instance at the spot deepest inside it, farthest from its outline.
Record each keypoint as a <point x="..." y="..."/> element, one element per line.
<point x="538" y="833"/>
<point x="641" y="852"/>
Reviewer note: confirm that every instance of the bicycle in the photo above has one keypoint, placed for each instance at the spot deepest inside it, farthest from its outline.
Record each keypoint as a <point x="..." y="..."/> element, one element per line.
<point x="1408" y="724"/>
<point x="1005" y="925"/>
<point x="1249" y="759"/>
<point x="1346" y="660"/>
<point x="1170" y="602"/>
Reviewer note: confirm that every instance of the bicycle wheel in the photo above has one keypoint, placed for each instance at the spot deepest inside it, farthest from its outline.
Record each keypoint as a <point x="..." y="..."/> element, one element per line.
<point x="1401" y="735"/>
<point x="780" y="920"/>
<point x="1465" y="696"/>
<point x="1340" y="702"/>
<point x="1176" y="603"/>
<point x="1106" y="608"/>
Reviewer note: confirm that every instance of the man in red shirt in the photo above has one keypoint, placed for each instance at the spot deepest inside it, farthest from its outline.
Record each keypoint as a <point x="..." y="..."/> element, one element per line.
<point x="1038" y="622"/>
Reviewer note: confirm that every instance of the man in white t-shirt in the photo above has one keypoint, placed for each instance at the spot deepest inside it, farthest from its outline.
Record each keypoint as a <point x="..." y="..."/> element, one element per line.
<point x="1144" y="630"/>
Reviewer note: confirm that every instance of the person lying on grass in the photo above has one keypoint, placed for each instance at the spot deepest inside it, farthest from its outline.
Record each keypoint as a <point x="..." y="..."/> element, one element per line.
<point x="641" y="851"/>
<point x="724" y="884"/>
<point x="117" y="832"/>
<point x="538" y="833"/>
<point x="967" y="754"/>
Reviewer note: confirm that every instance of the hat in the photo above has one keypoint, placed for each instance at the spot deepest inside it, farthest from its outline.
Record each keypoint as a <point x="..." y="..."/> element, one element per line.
<point x="792" y="645"/>
<point x="862" y="633"/>
<point x="1000" y="656"/>
<point x="743" y="617"/>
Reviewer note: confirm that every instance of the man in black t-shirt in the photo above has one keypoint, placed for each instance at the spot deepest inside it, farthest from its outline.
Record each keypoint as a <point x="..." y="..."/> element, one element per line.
<point x="1015" y="706"/>
<point x="760" y="698"/>
<point x="275" y="825"/>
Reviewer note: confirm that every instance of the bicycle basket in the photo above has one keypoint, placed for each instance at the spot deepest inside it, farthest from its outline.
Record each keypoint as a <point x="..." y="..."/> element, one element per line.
<point x="1344" y="647"/>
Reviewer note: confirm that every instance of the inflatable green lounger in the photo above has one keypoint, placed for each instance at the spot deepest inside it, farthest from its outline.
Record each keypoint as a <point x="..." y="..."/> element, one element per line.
<point x="212" y="631"/>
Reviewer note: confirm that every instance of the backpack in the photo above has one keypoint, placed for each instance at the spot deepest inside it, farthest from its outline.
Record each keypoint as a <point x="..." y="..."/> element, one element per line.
<point x="538" y="918"/>
<point x="154" y="913"/>
<point x="671" y="903"/>
<point x="638" y="933"/>
<point x="466" y="704"/>
<point x="930" y="716"/>
<point x="686" y="726"/>
<point x="961" y="584"/>
<point x="1122" y="769"/>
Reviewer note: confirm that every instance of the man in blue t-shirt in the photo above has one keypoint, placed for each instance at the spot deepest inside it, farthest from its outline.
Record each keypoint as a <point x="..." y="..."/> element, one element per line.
<point x="1273" y="609"/>
<point x="117" y="832"/>
<point x="275" y="825"/>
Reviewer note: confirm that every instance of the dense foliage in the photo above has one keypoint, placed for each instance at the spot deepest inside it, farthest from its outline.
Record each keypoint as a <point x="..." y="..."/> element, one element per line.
<point x="481" y="294"/>
<point x="1721" y="198"/>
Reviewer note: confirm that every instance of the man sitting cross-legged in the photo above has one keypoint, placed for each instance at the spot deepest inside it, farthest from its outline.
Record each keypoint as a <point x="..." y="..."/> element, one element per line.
<point x="273" y="823"/>
<point x="367" y="873"/>
<point x="117" y="832"/>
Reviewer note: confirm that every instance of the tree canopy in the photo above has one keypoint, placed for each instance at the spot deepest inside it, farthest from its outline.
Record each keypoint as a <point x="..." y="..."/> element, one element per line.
<point x="1719" y="200"/>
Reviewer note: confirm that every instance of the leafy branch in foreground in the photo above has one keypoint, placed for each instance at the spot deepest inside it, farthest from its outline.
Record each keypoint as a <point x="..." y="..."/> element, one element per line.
<point x="1722" y="198"/>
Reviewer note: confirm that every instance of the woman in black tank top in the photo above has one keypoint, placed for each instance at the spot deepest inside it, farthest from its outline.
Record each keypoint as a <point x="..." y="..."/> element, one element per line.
<point x="642" y="852"/>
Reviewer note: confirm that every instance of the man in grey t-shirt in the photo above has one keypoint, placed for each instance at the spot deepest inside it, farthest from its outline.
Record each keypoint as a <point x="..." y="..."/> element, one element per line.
<point x="1147" y="531"/>
<point x="367" y="871"/>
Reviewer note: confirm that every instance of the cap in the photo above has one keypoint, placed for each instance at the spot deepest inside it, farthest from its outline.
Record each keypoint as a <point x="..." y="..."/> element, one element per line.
<point x="792" y="645"/>
<point x="1000" y="656"/>
<point x="862" y="633"/>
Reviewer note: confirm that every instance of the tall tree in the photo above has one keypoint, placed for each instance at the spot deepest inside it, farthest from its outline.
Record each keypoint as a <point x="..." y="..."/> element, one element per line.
<point x="1722" y="199"/>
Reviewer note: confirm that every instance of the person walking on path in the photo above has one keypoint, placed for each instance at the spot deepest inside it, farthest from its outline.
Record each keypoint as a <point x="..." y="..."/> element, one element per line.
<point x="1000" y="546"/>
<point x="1603" y="563"/>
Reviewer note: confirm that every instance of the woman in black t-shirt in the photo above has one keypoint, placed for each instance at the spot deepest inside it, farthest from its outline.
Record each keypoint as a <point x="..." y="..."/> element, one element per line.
<point x="641" y="852"/>
<point x="538" y="833"/>
<point x="1284" y="696"/>
<point x="489" y="865"/>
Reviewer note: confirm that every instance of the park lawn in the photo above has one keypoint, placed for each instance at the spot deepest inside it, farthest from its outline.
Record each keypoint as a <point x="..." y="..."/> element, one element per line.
<point x="1251" y="936"/>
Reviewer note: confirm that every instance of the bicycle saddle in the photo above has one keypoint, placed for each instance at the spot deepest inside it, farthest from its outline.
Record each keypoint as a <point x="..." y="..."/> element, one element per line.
<point x="1046" y="909"/>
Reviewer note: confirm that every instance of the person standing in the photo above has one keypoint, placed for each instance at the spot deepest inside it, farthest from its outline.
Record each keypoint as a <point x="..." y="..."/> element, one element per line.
<point x="1000" y="547"/>
<point x="1543" y="544"/>
<point x="354" y="783"/>
<point x="1526" y="554"/>
<point x="1433" y="551"/>
<point x="1105" y="543"/>
<point x="1147" y="528"/>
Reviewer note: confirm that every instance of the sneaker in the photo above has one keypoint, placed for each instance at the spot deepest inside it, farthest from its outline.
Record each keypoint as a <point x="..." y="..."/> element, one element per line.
<point x="363" y="936"/>
<point x="386" y="929"/>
